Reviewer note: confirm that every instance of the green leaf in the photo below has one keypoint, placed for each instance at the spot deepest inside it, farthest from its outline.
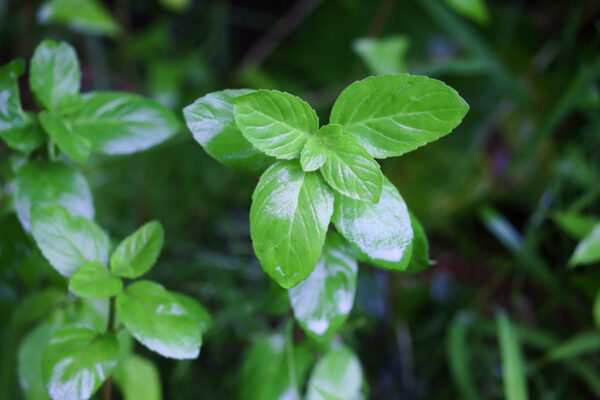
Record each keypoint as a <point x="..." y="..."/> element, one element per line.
<point x="596" y="310"/>
<point x="513" y="370"/>
<point x="77" y="361"/>
<point x="138" y="378"/>
<point x="383" y="56"/>
<point x="210" y="118"/>
<point x="290" y="213"/>
<point x="29" y="364"/>
<point x="138" y="252"/>
<point x="94" y="280"/>
<point x="382" y="231"/>
<point x="347" y="166"/>
<point x="71" y="142"/>
<point x="576" y="225"/>
<point x="85" y="16"/>
<point x="419" y="259"/>
<point x="67" y="241"/>
<point x="579" y="345"/>
<point x="121" y="123"/>
<point x="339" y="374"/>
<point x="588" y="250"/>
<point x="54" y="76"/>
<point x="195" y="310"/>
<point x="159" y="321"/>
<point x="17" y="128"/>
<point x="390" y="115"/>
<point x="42" y="182"/>
<point x="459" y="355"/>
<point x="322" y="302"/>
<point x="271" y="372"/>
<point x="276" y="123"/>
<point x="475" y="10"/>
<point x="176" y="5"/>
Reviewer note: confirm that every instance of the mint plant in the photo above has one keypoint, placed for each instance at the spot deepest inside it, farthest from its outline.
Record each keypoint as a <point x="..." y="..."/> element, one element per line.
<point x="322" y="174"/>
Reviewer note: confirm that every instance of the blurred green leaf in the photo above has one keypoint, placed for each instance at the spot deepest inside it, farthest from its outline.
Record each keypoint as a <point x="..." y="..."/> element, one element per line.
<point x="338" y="375"/>
<point x="176" y="5"/>
<point x="459" y="355"/>
<point x="94" y="280"/>
<point x="588" y="250"/>
<point x="138" y="378"/>
<point x="576" y="225"/>
<point x="29" y="365"/>
<point x="138" y="252"/>
<point x="475" y="10"/>
<point x="76" y="146"/>
<point x="85" y="16"/>
<point x="383" y="55"/>
<point x="576" y="346"/>
<point x="513" y="370"/>
<point x="419" y="260"/>
<point x="322" y="302"/>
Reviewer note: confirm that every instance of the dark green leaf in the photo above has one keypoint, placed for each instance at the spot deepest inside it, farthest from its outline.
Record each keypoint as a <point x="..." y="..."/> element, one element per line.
<point x="41" y="182"/>
<point x="121" y="123"/>
<point x="210" y="118"/>
<point x="419" y="259"/>
<point x="576" y="225"/>
<point x="513" y="370"/>
<point x="138" y="379"/>
<point x="54" y="76"/>
<point x="276" y="123"/>
<point x="159" y="321"/>
<point x="588" y="250"/>
<point x="459" y="355"/>
<point x="138" y="252"/>
<point x="322" y="302"/>
<point x="67" y="241"/>
<point x="383" y="56"/>
<point x="72" y="143"/>
<point x="77" y="361"/>
<point x="579" y="345"/>
<point x="475" y="10"/>
<point x="382" y="231"/>
<point x="290" y="213"/>
<point x="85" y="16"/>
<point x="390" y="115"/>
<point x="94" y="280"/>
<point x="337" y="374"/>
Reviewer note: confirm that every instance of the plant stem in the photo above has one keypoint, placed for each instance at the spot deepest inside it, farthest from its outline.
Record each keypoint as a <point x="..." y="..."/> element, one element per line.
<point x="111" y="325"/>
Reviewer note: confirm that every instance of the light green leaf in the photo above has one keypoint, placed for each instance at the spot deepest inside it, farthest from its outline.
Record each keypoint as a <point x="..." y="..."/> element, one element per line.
<point x="85" y="16"/>
<point x="93" y="313"/>
<point x="382" y="231"/>
<point x="94" y="280"/>
<point x="54" y="76"/>
<point x="210" y="118"/>
<point x="67" y="241"/>
<point x="29" y="368"/>
<point x="588" y="250"/>
<point x="576" y="225"/>
<point x="475" y="10"/>
<point x="41" y="182"/>
<point x="76" y="146"/>
<point x="121" y="123"/>
<point x="138" y="252"/>
<point x="159" y="321"/>
<point x="77" y="361"/>
<point x="339" y="374"/>
<point x="138" y="378"/>
<point x="383" y="56"/>
<point x="290" y="213"/>
<point x="390" y="115"/>
<point x="513" y="370"/>
<point x="322" y="302"/>
<point x="276" y="123"/>
<point x="271" y="372"/>
<point x="579" y="345"/>
<point x="459" y="355"/>
<point x="17" y="128"/>
<point x="419" y="259"/>
<point x="196" y="310"/>
<point x="347" y="166"/>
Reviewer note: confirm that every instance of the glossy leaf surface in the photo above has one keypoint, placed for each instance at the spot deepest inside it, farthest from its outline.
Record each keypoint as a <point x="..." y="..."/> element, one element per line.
<point x="42" y="182"/>
<point x="382" y="231"/>
<point x="384" y="55"/>
<point x="67" y="241"/>
<point x="94" y="280"/>
<point x="588" y="250"/>
<point x="276" y="123"/>
<point x="290" y="213"/>
<point x="138" y="378"/>
<point x="390" y="115"/>
<point x="211" y="120"/>
<point x="77" y="361"/>
<point x="85" y="16"/>
<point x="347" y="166"/>
<point x="159" y="321"/>
<point x="138" y="252"/>
<point x="54" y="75"/>
<point x="270" y="369"/>
<point x="76" y="146"/>
<point x="121" y="123"/>
<point x="338" y="375"/>
<point x="322" y="302"/>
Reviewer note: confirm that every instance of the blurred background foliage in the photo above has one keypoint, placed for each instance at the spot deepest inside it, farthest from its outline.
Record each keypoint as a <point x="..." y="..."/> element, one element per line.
<point x="505" y="199"/>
